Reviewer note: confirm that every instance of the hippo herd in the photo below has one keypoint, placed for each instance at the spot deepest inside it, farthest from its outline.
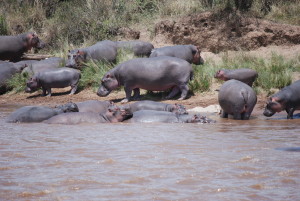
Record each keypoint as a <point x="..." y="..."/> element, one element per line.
<point x="156" y="69"/>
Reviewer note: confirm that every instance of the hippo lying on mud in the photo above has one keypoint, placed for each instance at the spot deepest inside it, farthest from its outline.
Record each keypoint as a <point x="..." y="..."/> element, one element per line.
<point x="153" y="105"/>
<point x="154" y="74"/>
<point x="105" y="51"/>
<point x="245" y="75"/>
<point x="139" y="48"/>
<point x="13" y="47"/>
<point x="94" y="106"/>
<point x="287" y="99"/>
<point x="236" y="98"/>
<point x="39" y="113"/>
<point x="152" y="116"/>
<point x="113" y="114"/>
<point x="54" y="78"/>
<point x="190" y="53"/>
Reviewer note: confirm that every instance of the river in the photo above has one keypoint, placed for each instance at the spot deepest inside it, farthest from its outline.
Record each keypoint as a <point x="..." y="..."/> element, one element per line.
<point x="228" y="160"/>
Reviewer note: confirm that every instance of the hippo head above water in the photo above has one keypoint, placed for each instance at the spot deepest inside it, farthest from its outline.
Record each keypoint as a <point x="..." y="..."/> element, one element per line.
<point x="108" y="83"/>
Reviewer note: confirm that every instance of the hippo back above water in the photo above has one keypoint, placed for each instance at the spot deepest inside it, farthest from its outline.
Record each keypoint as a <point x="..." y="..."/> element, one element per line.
<point x="13" y="47"/>
<point x="154" y="74"/>
<point x="190" y="53"/>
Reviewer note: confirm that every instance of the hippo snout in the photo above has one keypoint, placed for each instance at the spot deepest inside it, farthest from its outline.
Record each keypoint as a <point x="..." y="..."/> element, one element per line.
<point x="102" y="91"/>
<point x="41" y="45"/>
<point x="28" y="90"/>
<point x="268" y="113"/>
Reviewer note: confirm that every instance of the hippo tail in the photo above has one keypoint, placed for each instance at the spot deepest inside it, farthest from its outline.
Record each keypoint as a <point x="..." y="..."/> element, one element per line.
<point x="245" y="97"/>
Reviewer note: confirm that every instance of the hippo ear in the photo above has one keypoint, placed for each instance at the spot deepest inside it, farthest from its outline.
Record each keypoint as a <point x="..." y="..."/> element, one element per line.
<point x="107" y="76"/>
<point x="275" y="99"/>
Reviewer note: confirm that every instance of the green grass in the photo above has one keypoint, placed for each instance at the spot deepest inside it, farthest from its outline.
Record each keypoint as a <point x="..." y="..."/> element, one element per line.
<point x="18" y="82"/>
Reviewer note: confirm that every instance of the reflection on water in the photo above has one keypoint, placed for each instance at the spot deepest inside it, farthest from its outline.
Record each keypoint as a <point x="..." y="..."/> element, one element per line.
<point x="229" y="160"/>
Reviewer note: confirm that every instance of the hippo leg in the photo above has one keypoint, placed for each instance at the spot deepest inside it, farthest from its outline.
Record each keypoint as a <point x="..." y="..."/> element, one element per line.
<point x="73" y="89"/>
<point x="128" y="92"/>
<point x="290" y="113"/>
<point x="49" y="92"/>
<point x="237" y="116"/>
<point x="136" y="94"/>
<point x="44" y="92"/>
<point x="224" y="114"/>
<point x="184" y="91"/>
<point x="245" y="116"/>
<point x="173" y="93"/>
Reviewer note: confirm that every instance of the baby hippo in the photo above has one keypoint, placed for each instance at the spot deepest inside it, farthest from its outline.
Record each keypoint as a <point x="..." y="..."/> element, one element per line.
<point x="158" y="106"/>
<point x="55" y="78"/>
<point x="152" y="116"/>
<point x="287" y="99"/>
<point x="113" y="115"/>
<point x="236" y="98"/>
<point x="245" y="75"/>
<point x="39" y="113"/>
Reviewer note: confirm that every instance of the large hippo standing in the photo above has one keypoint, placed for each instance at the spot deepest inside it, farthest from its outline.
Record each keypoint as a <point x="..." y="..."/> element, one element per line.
<point x="152" y="116"/>
<point x="190" y="53"/>
<point x="102" y="51"/>
<point x="139" y="48"/>
<point x="245" y="75"/>
<point x="287" y="99"/>
<point x="112" y="115"/>
<point x="236" y="98"/>
<point x="39" y="113"/>
<point x="13" y="47"/>
<point x="55" y="78"/>
<point x="158" y="106"/>
<point x="94" y="106"/>
<point x="43" y="65"/>
<point x="154" y="74"/>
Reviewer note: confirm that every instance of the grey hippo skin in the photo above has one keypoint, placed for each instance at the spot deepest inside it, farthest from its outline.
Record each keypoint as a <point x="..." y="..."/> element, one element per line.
<point x="13" y="47"/>
<point x="56" y="78"/>
<point x="245" y="75"/>
<point x="287" y="99"/>
<point x="112" y="115"/>
<point x="7" y="70"/>
<point x="31" y="114"/>
<point x="236" y="98"/>
<point x="139" y="48"/>
<point x="152" y="116"/>
<point x="94" y="106"/>
<point x="154" y="74"/>
<point x="153" y="105"/>
<point x="190" y="53"/>
<point x="105" y="51"/>
<point x="43" y="65"/>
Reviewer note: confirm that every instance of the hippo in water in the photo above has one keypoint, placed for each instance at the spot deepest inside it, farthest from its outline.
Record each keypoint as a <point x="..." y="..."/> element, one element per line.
<point x="245" y="75"/>
<point x="113" y="114"/>
<point x="13" y="47"/>
<point x="39" y="113"/>
<point x="236" y="98"/>
<point x="190" y="53"/>
<point x="158" y="106"/>
<point x="287" y="99"/>
<point x="139" y="48"/>
<point x="152" y="116"/>
<point x="105" y="51"/>
<point x="54" y="78"/>
<point x="154" y="74"/>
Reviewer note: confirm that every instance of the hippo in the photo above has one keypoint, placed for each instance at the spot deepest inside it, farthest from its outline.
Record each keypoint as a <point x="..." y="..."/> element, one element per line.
<point x="55" y="78"/>
<point x="112" y="115"/>
<point x="139" y="48"/>
<point x="43" y="65"/>
<point x="7" y="70"/>
<point x="94" y="106"/>
<point x="158" y="106"/>
<point x="31" y="114"/>
<point x="152" y="116"/>
<point x="105" y="51"/>
<point x="12" y="48"/>
<point x="236" y="98"/>
<point x="287" y="99"/>
<point x="190" y="53"/>
<point x="245" y="75"/>
<point x="154" y="74"/>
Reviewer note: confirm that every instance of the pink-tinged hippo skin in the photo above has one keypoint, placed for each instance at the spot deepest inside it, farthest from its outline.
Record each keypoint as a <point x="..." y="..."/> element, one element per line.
<point x="138" y="47"/>
<point x="105" y="51"/>
<point x="236" y="98"/>
<point x="154" y="74"/>
<point x="54" y="78"/>
<point x="152" y="116"/>
<point x="113" y="114"/>
<point x="30" y="114"/>
<point x="287" y="99"/>
<point x="13" y="47"/>
<point x="153" y="105"/>
<point x="245" y="75"/>
<point x="190" y="53"/>
<point x="94" y="106"/>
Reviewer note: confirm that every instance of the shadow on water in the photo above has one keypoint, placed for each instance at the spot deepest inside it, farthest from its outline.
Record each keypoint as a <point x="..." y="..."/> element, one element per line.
<point x="292" y="149"/>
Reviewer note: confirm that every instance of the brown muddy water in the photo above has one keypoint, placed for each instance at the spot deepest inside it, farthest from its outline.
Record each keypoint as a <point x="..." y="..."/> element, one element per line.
<point x="228" y="160"/>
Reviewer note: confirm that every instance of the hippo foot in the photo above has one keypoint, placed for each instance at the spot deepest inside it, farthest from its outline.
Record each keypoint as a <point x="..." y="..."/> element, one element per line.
<point x="125" y="100"/>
